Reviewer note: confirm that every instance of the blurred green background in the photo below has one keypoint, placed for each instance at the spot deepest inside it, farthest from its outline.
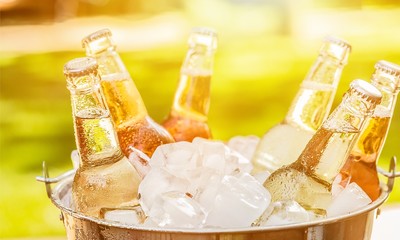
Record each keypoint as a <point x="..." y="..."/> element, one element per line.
<point x="265" y="49"/>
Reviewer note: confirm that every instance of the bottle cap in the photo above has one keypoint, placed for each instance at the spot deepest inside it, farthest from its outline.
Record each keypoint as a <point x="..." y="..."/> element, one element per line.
<point x="203" y="36"/>
<point x="337" y="48"/>
<point x="76" y="71"/>
<point x="98" y="41"/>
<point x="366" y="91"/>
<point x="338" y="41"/>
<point x="389" y="69"/>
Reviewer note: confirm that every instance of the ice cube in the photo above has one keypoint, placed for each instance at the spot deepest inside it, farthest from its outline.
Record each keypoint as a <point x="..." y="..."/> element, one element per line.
<point x="140" y="161"/>
<point x="149" y="223"/>
<point x="177" y="209"/>
<point x="262" y="176"/>
<point x="205" y="188"/>
<point x="245" y="145"/>
<point x="236" y="162"/>
<point x="212" y="154"/>
<point x="66" y="200"/>
<point x="75" y="159"/>
<point x="283" y="212"/>
<point x="177" y="158"/>
<point x="336" y="185"/>
<point x="241" y="200"/>
<point x="350" y="199"/>
<point x="127" y="215"/>
<point x="156" y="182"/>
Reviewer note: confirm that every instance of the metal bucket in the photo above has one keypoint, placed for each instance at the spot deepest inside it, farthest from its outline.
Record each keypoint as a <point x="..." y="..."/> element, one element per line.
<point x="354" y="226"/>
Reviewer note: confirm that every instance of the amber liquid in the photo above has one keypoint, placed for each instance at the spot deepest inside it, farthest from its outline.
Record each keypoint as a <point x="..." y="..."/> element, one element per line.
<point x="134" y="126"/>
<point x="308" y="179"/>
<point x="360" y="167"/>
<point x="143" y="134"/>
<point x="186" y="129"/>
<point x="188" y="117"/>
<point x="105" y="179"/>
<point x="309" y="109"/>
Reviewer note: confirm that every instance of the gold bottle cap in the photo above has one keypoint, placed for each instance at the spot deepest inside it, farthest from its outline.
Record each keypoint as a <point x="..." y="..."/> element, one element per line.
<point x="76" y="71"/>
<point x="337" y="48"/>
<point x="96" y="35"/>
<point x="338" y="41"/>
<point x="203" y="36"/>
<point x="98" y="41"/>
<point x="366" y="91"/>
<point x="390" y="69"/>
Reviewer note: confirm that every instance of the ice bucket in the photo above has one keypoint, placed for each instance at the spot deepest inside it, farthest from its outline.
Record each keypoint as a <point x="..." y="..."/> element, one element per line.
<point x="354" y="226"/>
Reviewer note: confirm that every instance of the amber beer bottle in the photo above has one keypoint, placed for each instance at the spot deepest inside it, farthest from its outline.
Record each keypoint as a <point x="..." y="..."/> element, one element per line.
<point x="360" y="166"/>
<point x="129" y="114"/>
<point x="105" y="178"/>
<point x="282" y="144"/>
<point x="188" y="116"/>
<point x="308" y="180"/>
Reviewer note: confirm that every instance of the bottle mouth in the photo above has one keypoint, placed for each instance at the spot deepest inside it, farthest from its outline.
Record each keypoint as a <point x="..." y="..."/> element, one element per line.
<point x="389" y="67"/>
<point x="203" y="36"/>
<point x="366" y="91"/>
<point x="81" y="73"/>
<point x="337" y="48"/>
<point x="338" y="41"/>
<point x="80" y="67"/>
<point x="98" y="41"/>
<point x="386" y="76"/>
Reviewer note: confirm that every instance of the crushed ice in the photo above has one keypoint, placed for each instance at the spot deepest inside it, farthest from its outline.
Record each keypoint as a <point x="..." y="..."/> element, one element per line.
<point x="203" y="183"/>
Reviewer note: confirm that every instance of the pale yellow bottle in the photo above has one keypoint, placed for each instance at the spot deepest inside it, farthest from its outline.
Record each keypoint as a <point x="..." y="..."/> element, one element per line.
<point x="360" y="166"/>
<point x="308" y="180"/>
<point x="105" y="178"/>
<point x="283" y="143"/>
<point x="189" y="113"/>
<point x="134" y="126"/>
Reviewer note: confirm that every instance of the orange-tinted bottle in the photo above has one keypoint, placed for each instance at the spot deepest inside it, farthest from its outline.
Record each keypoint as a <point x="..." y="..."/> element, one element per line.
<point x="188" y="116"/>
<point x="360" y="166"/>
<point x="133" y="124"/>
<point x="308" y="180"/>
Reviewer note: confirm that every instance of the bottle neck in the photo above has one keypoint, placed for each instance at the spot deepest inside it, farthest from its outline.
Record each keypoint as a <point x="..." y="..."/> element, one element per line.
<point x="122" y="96"/>
<point x="326" y="152"/>
<point x="192" y="97"/>
<point x="96" y="139"/>
<point x="389" y="97"/>
<point x="314" y="100"/>
<point x="110" y="63"/>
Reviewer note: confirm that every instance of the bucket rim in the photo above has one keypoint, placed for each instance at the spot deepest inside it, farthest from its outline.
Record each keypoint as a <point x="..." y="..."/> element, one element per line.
<point x="62" y="185"/>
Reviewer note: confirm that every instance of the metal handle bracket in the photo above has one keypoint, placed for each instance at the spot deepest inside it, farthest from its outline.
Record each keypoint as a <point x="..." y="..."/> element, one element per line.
<point x="48" y="181"/>
<point x="391" y="174"/>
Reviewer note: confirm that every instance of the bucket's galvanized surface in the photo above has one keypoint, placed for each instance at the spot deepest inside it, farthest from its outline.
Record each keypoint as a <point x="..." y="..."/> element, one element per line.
<point x="354" y="226"/>
<point x="357" y="225"/>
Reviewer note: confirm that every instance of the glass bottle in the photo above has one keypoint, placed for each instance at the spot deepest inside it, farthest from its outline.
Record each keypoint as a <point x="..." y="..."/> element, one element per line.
<point x="105" y="178"/>
<point x="360" y="166"/>
<point x="133" y="124"/>
<point x="308" y="180"/>
<point x="188" y="116"/>
<point x="308" y="110"/>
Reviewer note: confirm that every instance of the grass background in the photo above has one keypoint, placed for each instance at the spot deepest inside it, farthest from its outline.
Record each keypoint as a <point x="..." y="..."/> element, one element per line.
<point x="251" y="91"/>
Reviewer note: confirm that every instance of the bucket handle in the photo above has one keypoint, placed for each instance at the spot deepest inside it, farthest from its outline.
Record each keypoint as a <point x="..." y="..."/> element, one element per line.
<point x="48" y="181"/>
<point x="391" y="174"/>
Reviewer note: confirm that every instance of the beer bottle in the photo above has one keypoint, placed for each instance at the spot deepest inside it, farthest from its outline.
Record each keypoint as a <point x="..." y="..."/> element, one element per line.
<point x="308" y="180"/>
<point x="133" y="124"/>
<point x="188" y="116"/>
<point x="282" y="144"/>
<point x="105" y="178"/>
<point x="360" y="166"/>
